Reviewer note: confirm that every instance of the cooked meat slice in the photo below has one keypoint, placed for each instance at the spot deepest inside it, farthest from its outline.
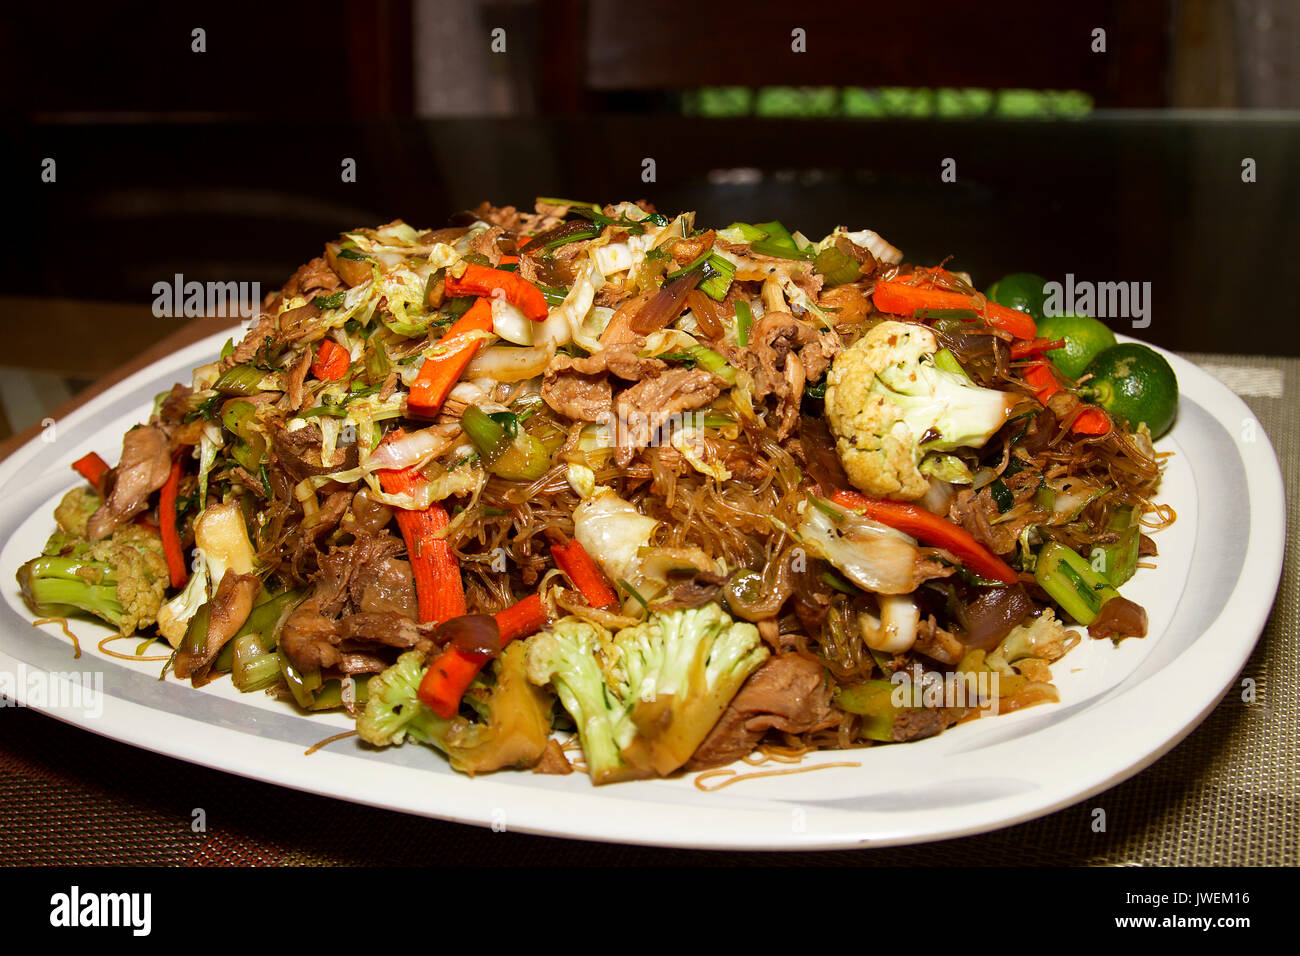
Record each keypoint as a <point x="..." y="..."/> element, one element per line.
<point x="297" y="376"/>
<point x="353" y="662"/>
<point x="644" y="407"/>
<point x="789" y="693"/>
<point x="387" y="628"/>
<point x="385" y="587"/>
<point x="345" y="572"/>
<point x="553" y="760"/>
<point x="230" y="609"/>
<point x="775" y="338"/>
<point x="919" y="723"/>
<point x="298" y="451"/>
<point x="588" y="398"/>
<point x="937" y="644"/>
<point x="314" y="278"/>
<point x="142" y="470"/>
<point x="266" y="330"/>
<point x="485" y="244"/>
<point x="307" y="638"/>
<point x="512" y="220"/>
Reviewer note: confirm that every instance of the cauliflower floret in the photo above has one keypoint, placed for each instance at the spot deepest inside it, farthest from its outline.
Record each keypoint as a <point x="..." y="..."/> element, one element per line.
<point x="135" y="556"/>
<point x="888" y="404"/>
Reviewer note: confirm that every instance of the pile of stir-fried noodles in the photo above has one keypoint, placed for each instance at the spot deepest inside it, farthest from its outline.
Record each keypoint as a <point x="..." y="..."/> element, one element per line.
<point x="687" y="491"/>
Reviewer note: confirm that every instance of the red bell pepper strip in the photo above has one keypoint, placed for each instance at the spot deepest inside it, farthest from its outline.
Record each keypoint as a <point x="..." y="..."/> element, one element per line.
<point x="1022" y="349"/>
<point x="898" y="297"/>
<point x="573" y="560"/>
<point x="933" y="530"/>
<point x="171" y="539"/>
<point x="440" y="373"/>
<point x="332" y="361"/>
<point x="439" y="592"/>
<point x="91" y="467"/>
<point x="453" y="670"/>
<point x="514" y="288"/>
<point x="1090" y="421"/>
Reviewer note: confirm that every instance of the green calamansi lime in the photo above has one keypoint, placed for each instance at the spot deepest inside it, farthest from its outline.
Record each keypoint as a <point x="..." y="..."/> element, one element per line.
<point x="1020" y="290"/>
<point x="1085" y="339"/>
<point x="1135" y="384"/>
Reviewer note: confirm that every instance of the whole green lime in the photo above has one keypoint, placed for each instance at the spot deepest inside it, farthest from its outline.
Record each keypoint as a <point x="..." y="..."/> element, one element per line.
<point x="1020" y="290"/>
<point x="1085" y="339"/>
<point x="1135" y="384"/>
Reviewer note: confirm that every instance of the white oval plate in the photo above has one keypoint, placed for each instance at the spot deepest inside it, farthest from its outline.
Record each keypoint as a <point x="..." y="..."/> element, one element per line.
<point x="1121" y="707"/>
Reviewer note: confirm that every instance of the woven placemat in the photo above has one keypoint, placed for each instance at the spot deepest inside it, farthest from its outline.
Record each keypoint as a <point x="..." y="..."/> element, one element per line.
<point x="1227" y="795"/>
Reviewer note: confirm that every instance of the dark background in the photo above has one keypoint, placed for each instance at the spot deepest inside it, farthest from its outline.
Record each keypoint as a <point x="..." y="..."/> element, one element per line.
<point x="225" y="164"/>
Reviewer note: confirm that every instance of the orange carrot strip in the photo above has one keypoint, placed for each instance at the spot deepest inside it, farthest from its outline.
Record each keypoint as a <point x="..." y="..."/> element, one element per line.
<point x="485" y="281"/>
<point x="439" y="592"/>
<point x="573" y="560"/>
<point x="453" y="670"/>
<point x="440" y="373"/>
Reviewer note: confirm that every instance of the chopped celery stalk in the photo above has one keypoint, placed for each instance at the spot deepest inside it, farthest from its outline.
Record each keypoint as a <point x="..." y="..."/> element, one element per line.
<point x="520" y="456"/>
<point x="235" y="415"/>
<point x="488" y="435"/>
<point x="767" y="247"/>
<point x="330" y="695"/>
<point x="873" y="701"/>
<point x="301" y="685"/>
<point x="240" y="380"/>
<point x="747" y="232"/>
<point x="264" y="618"/>
<point x="333" y="411"/>
<point x="718" y="273"/>
<point x="708" y="359"/>
<point x="1118" y="561"/>
<point x="744" y="319"/>
<point x="254" y="667"/>
<point x="1071" y="582"/>
<point x="948" y="362"/>
<point x="525" y="459"/>
<point x="196" y="632"/>
<point x="776" y="234"/>
<point x="836" y="267"/>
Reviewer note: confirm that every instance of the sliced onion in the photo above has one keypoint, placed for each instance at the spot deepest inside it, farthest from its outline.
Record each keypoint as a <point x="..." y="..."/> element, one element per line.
<point x="666" y="304"/>
<point x="475" y="634"/>
<point x="414" y="448"/>
<point x="509" y="363"/>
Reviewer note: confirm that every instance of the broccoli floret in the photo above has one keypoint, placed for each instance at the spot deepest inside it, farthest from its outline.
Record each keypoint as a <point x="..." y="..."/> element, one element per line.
<point x="121" y="579"/>
<point x="569" y="656"/>
<point x="889" y="404"/>
<point x="646" y="698"/>
<point x="513" y="733"/>
<point x="683" y="667"/>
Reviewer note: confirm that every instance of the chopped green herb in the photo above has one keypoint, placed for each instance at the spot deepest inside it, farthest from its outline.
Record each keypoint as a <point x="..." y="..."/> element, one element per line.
<point x="325" y="302"/>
